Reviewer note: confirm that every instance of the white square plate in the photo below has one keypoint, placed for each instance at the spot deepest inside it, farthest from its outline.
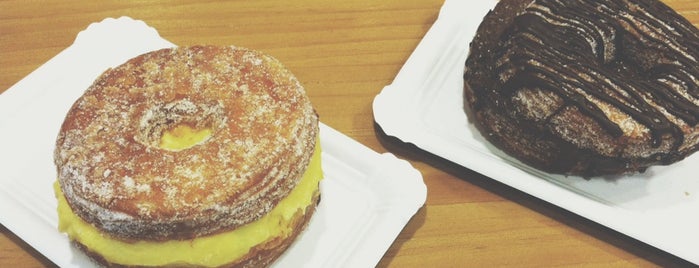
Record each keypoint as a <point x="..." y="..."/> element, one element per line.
<point x="424" y="106"/>
<point x="367" y="198"/>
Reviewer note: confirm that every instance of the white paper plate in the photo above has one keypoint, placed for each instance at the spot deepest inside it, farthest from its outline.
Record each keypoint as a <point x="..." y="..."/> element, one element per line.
<point x="367" y="198"/>
<point x="424" y="106"/>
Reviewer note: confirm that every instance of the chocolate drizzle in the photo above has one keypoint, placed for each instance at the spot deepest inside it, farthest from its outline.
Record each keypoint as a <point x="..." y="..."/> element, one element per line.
<point x="638" y="58"/>
<point x="557" y="42"/>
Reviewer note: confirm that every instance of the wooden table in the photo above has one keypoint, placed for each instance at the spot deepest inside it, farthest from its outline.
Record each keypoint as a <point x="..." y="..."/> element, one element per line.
<point x="345" y="52"/>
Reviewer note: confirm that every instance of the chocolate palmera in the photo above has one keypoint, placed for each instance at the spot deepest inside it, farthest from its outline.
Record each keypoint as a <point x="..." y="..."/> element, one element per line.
<point x="586" y="88"/>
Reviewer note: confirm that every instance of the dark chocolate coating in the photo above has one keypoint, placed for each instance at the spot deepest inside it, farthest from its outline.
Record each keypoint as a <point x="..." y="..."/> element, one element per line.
<point x="586" y="87"/>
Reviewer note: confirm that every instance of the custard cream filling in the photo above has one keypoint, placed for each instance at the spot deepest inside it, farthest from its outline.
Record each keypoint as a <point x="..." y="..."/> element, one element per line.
<point x="213" y="250"/>
<point x="182" y="137"/>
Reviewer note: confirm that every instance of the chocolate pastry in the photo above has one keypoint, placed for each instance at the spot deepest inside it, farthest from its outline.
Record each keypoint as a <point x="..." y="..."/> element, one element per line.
<point x="587" y="88"/>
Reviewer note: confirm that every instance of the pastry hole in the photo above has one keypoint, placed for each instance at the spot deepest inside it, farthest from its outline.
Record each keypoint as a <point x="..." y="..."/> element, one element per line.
<point x="184" y="136"/>
<point x="179" y="125"/>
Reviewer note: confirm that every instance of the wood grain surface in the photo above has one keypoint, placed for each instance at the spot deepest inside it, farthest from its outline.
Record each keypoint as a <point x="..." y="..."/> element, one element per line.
<point x="345" y="52"/>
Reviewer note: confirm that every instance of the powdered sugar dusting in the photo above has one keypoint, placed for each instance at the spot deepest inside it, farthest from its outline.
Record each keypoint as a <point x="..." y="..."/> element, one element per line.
<point x="116" y="177"/>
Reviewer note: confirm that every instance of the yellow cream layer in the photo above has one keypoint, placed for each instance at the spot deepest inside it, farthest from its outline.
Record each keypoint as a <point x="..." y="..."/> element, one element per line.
<point x="211" y="251"/>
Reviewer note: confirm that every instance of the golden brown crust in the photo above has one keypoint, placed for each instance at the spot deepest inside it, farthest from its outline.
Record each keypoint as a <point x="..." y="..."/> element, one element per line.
<point x="115" y="177"/>
<point x="261" y="255"/>
<point x="588" y="88"/>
